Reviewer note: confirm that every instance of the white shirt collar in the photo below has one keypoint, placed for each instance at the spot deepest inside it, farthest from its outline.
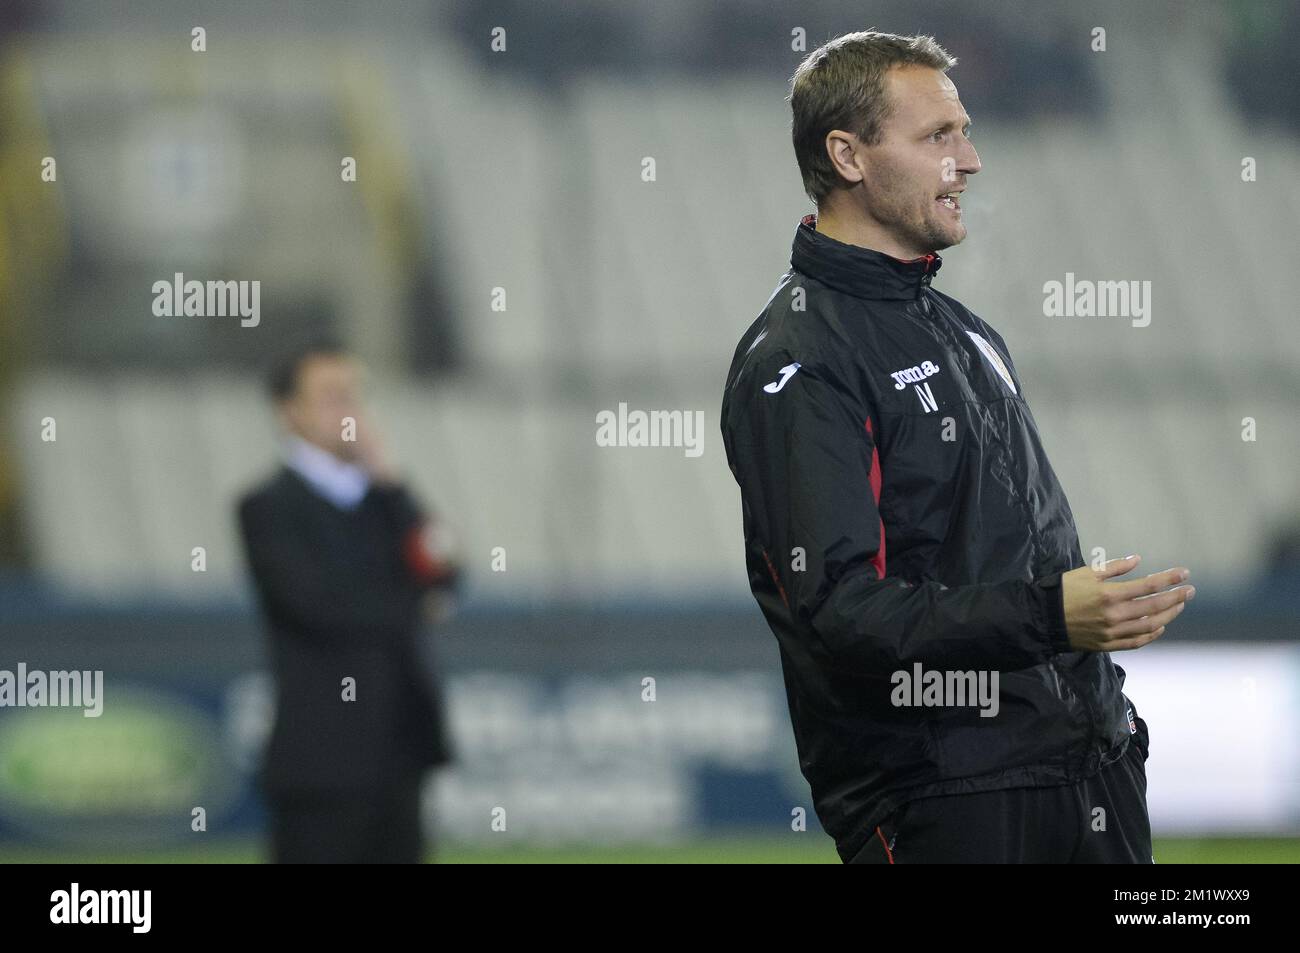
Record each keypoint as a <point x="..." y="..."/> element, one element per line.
<point x="342" y="483"/>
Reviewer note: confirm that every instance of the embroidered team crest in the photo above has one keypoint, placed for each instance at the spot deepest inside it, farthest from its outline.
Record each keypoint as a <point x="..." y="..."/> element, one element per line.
<point x="1132" y="725"/>
<point x="990" y="352"/>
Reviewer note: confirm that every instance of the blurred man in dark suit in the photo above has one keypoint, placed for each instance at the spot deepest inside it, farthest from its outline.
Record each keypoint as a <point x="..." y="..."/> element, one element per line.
<point x="344" y="562"/>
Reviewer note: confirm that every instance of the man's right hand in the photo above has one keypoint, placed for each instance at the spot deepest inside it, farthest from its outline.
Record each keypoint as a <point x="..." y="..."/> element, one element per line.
<point x="1105" y="616"/>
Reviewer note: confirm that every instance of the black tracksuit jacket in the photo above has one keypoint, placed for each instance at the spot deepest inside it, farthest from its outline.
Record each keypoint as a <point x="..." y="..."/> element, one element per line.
<point x="898" y="509"/>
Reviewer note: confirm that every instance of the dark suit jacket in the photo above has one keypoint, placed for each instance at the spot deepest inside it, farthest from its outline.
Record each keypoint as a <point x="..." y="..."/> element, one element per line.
<point x="341" y="593"/>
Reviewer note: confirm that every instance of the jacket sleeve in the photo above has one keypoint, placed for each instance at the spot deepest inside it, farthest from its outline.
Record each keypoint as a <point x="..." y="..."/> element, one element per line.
<point x="298" y="589"/>
<point x="991" y="334"/>
<point x="428" y="567"/>
<point x="806" y="458"/>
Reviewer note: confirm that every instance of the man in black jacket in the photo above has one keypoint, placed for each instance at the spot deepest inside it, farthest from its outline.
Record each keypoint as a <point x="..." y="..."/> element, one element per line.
<point x="944" y="645"/>
<point x="343" y="560"/>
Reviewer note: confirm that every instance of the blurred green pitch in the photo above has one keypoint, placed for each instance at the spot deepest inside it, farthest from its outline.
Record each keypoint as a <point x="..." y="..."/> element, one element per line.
<point x="795" y="849"/>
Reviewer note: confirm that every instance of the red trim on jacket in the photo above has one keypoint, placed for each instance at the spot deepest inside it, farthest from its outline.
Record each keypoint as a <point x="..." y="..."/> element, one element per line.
<point x="878" y="560"/>
<point x="888" y="853"/>
<point x="772" y="569"/>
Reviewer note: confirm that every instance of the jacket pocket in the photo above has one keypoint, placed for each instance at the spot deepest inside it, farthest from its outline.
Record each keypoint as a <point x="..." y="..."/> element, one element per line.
<point x="892" y="827"/>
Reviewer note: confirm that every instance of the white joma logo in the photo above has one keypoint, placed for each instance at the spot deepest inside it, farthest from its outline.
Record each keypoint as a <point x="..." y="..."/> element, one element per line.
<point x="914" y="375"/>
<point x="787" y="372"/>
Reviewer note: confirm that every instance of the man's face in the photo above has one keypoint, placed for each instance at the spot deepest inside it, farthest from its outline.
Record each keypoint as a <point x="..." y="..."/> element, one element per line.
<point x="329" y="389"/>
<point x="924" y="153"/>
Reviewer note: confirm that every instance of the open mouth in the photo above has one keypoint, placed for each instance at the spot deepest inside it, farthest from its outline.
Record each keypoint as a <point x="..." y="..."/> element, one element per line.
<point x="950" y="200"/>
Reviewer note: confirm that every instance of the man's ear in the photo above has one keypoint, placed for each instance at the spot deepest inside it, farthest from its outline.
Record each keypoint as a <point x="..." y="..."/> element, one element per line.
<point x="843" y="149"/>
<point x="284" y="415"/>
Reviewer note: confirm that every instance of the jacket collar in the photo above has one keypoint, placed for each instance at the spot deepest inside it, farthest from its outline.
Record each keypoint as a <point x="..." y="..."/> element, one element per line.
<point x="862" y="272"/>
<point x="343" y="484"/>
